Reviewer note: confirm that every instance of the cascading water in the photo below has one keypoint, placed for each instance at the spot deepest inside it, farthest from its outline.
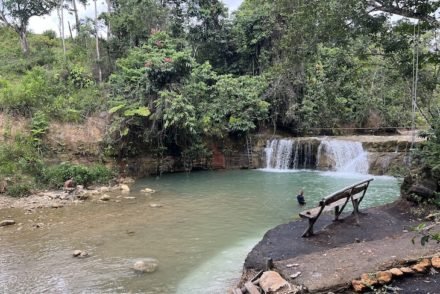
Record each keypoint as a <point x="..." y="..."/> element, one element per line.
<point x="286" y="154"/>
<point x="343" y="156"/>
<point x="338" y="155"/>
<point x="278" y="154"/>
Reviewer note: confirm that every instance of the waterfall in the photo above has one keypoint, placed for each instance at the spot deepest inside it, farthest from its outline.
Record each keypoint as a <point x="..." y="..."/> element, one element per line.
<point x="343" y="156"/>
<point x="283" y="154"/>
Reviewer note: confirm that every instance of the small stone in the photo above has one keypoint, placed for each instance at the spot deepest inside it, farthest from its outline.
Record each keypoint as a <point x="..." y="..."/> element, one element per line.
<point x="357" y="240"/>
<point x="84" y="254"/>
<point x="292" y="265"/>
<point x="129" y="198"/>
<point x="155" y="205"/>
<point x="295" y="275"/>
<point x="358" y="286"/>
<point x="406" y="270"/>
<point x="369" y="280"/>
<point x="271" y="281"/>
<point x="405" y="231"/>
<point x="77" y="253"/>
<point x="435" y="261"/>
<point x="147" y="265"/>
<point x="384" y="277"/>
<point x="7" y="222"/>
<point x="148" y="190"/>
<point x="422" y="266"/>
<point x="396" y="272"/>
<point x="104" y="197"/>
<point x="56" y="205"/>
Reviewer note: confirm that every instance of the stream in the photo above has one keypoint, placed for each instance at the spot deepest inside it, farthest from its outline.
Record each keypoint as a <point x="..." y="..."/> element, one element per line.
<point x="201" y="235"/>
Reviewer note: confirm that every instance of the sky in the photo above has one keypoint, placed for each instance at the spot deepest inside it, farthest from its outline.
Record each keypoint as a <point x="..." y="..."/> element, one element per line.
<point x="50" y="22"/>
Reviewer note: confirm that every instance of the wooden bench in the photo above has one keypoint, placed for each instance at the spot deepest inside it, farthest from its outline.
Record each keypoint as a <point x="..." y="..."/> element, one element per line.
<point x="337" y="201"/>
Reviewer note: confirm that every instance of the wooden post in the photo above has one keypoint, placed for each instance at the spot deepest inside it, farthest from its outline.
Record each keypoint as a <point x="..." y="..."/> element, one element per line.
<point x="269" y="264"/>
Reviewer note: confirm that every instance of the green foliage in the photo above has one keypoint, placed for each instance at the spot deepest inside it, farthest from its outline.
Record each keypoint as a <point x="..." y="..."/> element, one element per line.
<point x="425" y="235"/>
<point x="55" y="176"/>
<point x="19" y="190"/>
<point x="39" y="126"/>
<point x="183" y="100"/>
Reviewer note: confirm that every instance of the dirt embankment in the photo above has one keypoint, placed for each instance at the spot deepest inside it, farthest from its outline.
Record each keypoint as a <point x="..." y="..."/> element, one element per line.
<point x="341" y="251"/>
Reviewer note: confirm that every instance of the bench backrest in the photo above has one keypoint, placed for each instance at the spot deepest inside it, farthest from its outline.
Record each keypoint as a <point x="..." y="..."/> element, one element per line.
<point x="345" y="192"/>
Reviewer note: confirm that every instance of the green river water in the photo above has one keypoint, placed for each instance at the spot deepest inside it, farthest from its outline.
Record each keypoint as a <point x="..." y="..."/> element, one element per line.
<point x="201" y="235"/>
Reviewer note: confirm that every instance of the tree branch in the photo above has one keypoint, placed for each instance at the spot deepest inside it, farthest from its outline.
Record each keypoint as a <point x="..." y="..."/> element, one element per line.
<point x="400" y="10"/>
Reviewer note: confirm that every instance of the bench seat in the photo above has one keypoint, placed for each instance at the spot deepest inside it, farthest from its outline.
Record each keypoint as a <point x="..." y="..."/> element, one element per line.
<point x="337" y="201"/>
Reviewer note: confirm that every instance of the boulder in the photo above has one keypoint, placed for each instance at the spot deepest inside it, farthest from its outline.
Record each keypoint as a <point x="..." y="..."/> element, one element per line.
<point x="271" y="281"/>
<point x="7" y="222"/>
<point x="69" y="185"/>
<point x="124" y="188"/>
<point x="104" y="197"/>
<point x="384" y="277"/>
<point x="147" y="265"/>
<point x="358" y="286"/>
<point x="396" y="272"/>
<point x="422" y="191"/>
<point x="369" y="280"/>
<point x="3" y="186"/>
<point x="435" y="261"/>
<point x="422" y="266"/>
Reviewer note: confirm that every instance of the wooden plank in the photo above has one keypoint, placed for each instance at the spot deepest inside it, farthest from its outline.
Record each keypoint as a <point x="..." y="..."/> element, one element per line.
<point x="251" y="288"/>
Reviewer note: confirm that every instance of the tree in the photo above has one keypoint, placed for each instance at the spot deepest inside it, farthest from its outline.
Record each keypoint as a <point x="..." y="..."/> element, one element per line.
<point x="74" y="9"/>
<point x="16" y="14"/>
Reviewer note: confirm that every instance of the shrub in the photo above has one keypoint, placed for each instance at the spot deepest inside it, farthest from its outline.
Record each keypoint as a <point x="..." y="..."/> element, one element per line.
<point x="55" y="176"/>
<point x="19" y="190"/>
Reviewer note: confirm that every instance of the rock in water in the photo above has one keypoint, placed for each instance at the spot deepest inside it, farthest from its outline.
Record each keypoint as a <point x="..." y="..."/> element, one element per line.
<point x="147" y="265"/>
<point x="124" y="188"/>
<point x="148" y="190"/>
<point x="104" y="197"/>
<point x="7" y="222"/>
<point x="155" y="205"/>
<point x="76" y="253"/>
<point x="271" y="281"/>
<point x="80" y="253"/>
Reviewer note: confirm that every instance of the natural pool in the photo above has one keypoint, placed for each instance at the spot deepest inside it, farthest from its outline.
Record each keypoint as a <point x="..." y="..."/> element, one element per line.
<point x="208" y="223"/>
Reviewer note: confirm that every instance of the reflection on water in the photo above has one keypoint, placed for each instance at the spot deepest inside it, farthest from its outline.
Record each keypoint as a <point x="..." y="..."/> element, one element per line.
<point x="208" y="223"/>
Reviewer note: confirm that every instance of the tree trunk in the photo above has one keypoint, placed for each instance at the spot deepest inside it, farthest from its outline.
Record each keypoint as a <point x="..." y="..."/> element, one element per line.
<point x="109" y="10"/>
<point x="75" y="11"/>
<point x="60" y="11"/>
<point x="23" y="40"/>
<point x="98" y="55"/>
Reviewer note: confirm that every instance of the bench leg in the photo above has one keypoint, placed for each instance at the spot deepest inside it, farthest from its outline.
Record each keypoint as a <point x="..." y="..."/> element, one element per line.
<point x="309" y="231"/>
<point x="356" y="211"/>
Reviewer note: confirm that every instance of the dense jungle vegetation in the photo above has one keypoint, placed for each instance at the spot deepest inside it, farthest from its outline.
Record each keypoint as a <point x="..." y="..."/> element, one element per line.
<point x="176" y="74"/>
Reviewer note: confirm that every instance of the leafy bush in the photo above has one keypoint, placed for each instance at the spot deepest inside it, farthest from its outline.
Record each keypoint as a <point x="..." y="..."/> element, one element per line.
<point x="55" y="176"/>
<point x="19" y="190"/>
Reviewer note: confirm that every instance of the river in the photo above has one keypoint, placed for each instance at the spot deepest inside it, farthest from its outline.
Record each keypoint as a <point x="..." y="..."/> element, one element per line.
<point x="201" y="235"/>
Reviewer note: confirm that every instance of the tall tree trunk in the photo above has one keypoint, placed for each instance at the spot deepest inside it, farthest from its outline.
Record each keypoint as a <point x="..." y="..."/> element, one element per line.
<point x="98" y="55"/>
<point x="60" y="11"/>
<point x="75" y="11"/>
<point x="23" y="40"/>
<point x="109" y="10"/>
<point x="70" y="30"/>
